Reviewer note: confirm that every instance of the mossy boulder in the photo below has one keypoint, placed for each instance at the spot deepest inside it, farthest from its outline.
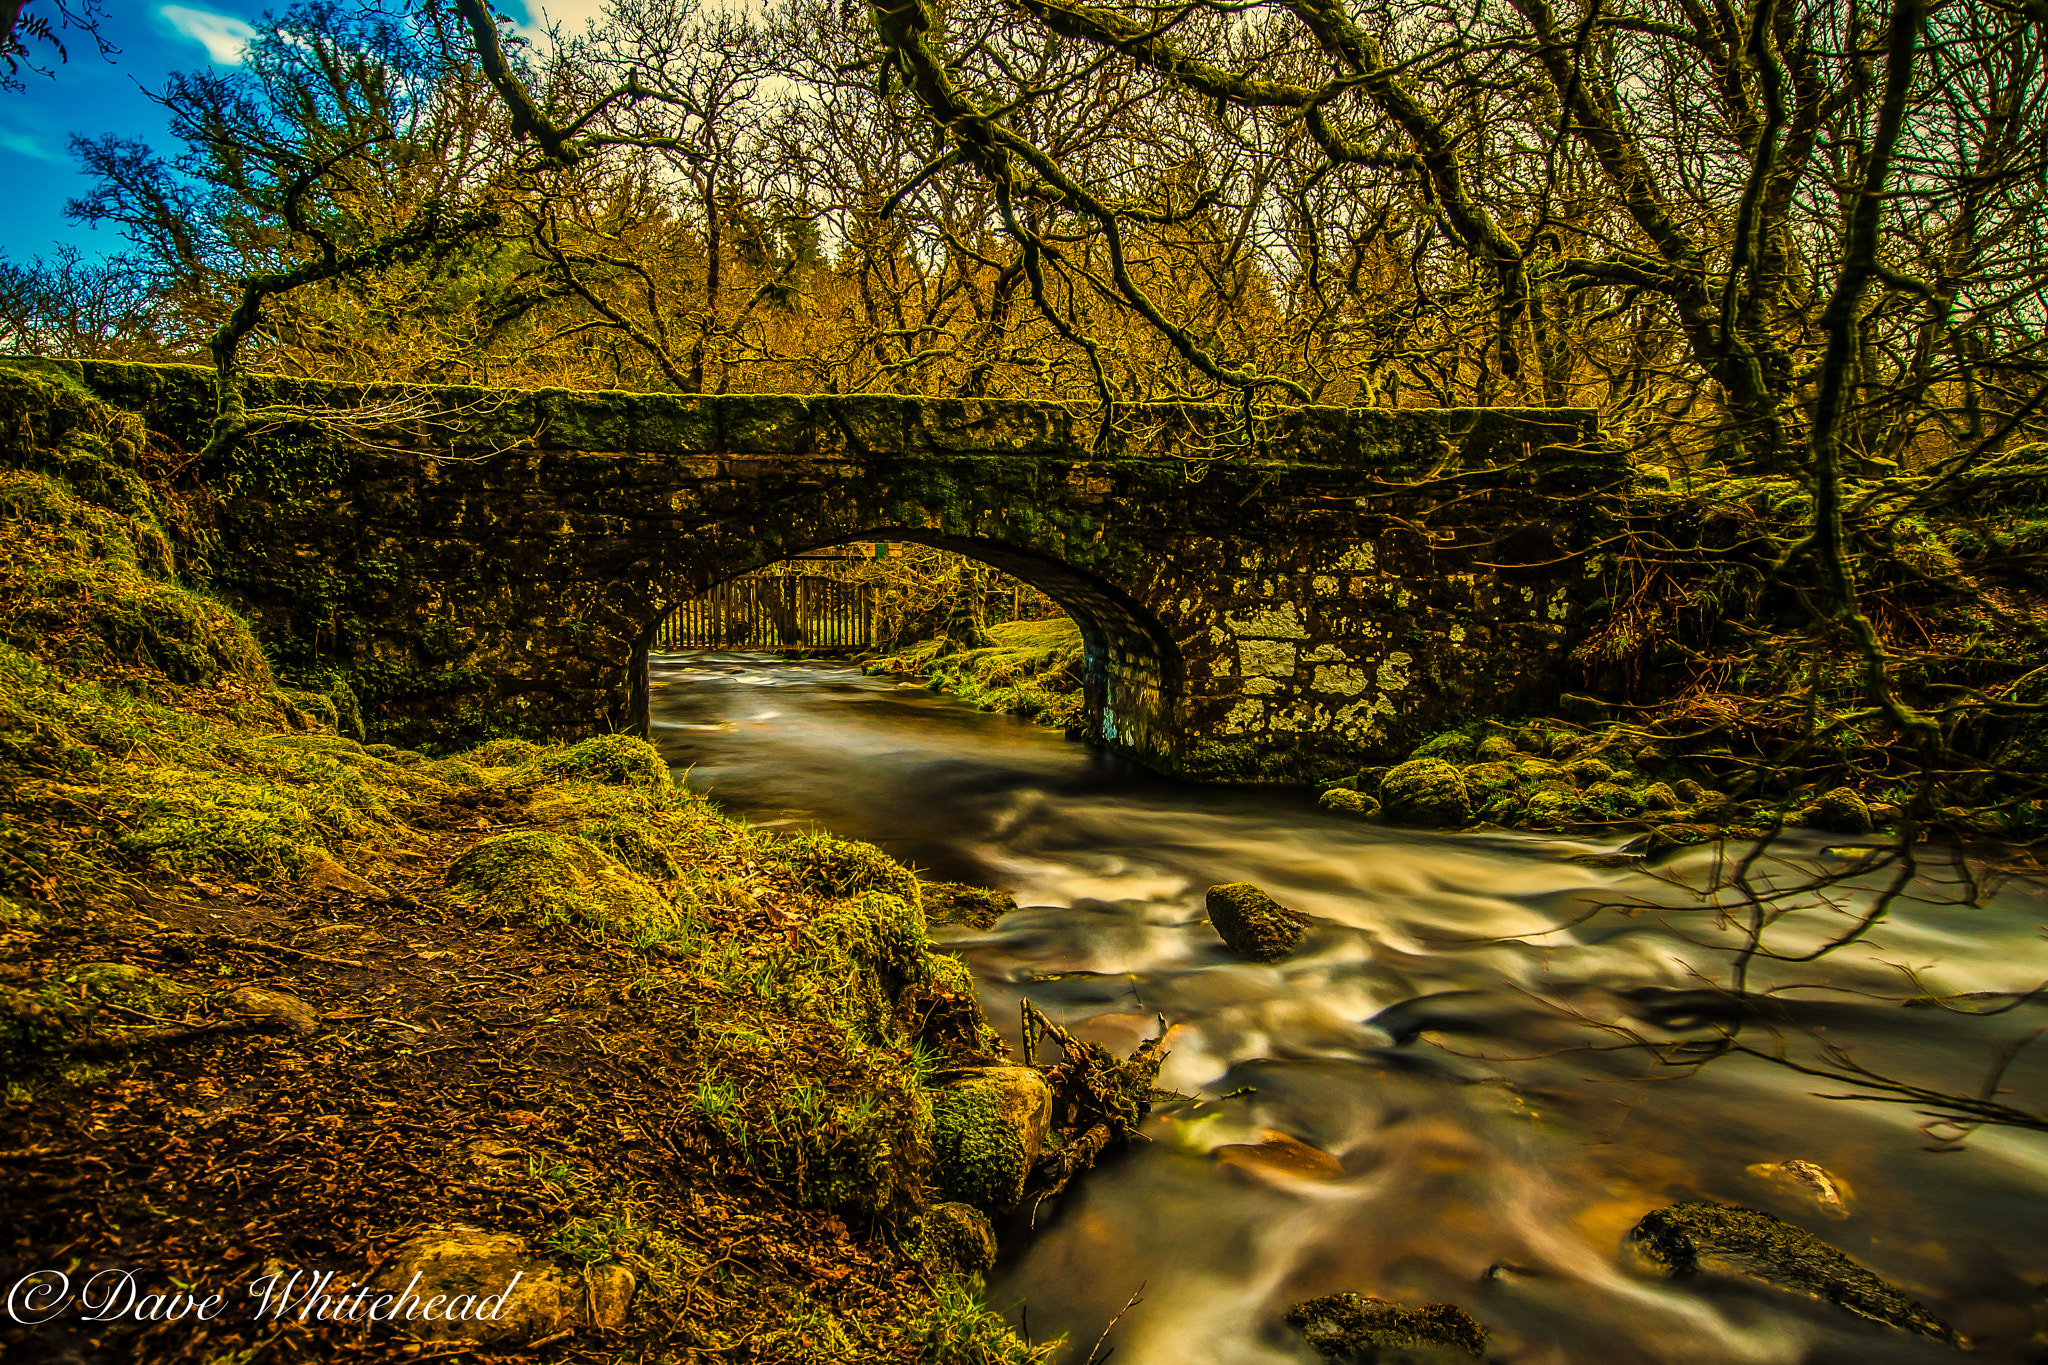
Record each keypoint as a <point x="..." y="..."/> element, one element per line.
<point x="622" y="760"/>
<point x="1253" y="924"/>
<point x="635" y="845"/>
<point x="958" y="1238"/>
<point x="1494" y="747"/>
<point x="1425" y="791"/>
<point x="1703" y="1236"/>
<point x="1455" y="745"/>
<point x="1588" y="772"/>
<point x="988" y="1126"/>
<point x="1611" y="798"/>
<point x="545" y="879"/>
<point x="1364" y="1328"/>
<point x="1659" y="796"/>
<point x="1549" y="806"/>
<point x="1839" y="811"/>
<point x="865" y="950"/>
<point x="1344" y="801"/>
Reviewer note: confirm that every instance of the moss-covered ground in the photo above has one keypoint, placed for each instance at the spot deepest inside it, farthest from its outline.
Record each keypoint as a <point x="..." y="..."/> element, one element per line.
<point x="541" y="991"/>
<point x="1033" y="669"/>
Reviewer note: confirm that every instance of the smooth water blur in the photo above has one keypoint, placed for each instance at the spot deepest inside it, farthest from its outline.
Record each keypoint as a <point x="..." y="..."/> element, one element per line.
<point x="1438" y="1034"/>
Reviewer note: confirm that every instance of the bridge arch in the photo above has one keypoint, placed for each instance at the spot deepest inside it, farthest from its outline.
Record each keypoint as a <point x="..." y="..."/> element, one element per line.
<point x="1280" y="600"/>
<point x="1133" y="674"/>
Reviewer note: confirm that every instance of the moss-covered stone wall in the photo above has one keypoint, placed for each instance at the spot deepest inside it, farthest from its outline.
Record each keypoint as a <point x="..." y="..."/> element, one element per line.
<point x="475" y="562"/>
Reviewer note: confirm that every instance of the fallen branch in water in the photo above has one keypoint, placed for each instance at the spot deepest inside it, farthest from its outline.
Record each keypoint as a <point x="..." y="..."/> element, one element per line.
<point x="1098" y="1102"/>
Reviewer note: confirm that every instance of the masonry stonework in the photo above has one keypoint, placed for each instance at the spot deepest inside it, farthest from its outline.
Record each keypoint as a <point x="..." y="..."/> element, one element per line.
<point x="476" y="561"/>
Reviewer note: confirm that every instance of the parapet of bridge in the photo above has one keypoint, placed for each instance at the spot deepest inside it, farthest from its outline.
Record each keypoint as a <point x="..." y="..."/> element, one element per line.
<point x="1296" y="600"/>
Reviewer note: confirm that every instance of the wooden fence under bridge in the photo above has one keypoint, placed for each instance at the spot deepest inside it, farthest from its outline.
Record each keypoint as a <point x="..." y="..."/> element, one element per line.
<point x="794" y="612"/>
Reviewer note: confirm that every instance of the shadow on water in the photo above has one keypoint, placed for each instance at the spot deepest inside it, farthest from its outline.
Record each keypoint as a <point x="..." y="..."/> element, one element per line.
<point x="1430" y="1036"/>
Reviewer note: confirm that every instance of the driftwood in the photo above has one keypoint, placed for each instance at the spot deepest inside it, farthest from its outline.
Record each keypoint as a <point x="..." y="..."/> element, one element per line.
<point x="1098" y="1102"/>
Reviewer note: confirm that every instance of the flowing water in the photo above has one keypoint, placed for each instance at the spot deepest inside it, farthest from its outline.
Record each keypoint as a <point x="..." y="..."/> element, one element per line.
<point x="1437" y="1036"/>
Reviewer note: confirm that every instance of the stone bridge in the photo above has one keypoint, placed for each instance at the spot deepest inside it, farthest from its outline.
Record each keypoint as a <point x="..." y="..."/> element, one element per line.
<point x="1264" y="607"/>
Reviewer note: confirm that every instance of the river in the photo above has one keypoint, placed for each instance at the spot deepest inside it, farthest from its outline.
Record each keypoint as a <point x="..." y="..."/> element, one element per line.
<point x="1438" y="1035"/>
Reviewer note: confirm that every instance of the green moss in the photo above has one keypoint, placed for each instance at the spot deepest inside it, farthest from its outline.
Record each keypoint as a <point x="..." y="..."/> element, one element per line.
<point x="545" y="879"/>
<point x="1254" y="924"/>
<point x="831" y="866"/>
<point x="1345" y="801"/>
<point x="624" y="760"/>
<point x="866" y="949"/>
<point x="980" y="1155"/>
<point x="1455" y="744"/>
<point x="634" y="845"/>
<point x="1425" y="791"/>
<point x="131" y="987"/>
<point x="501" y="753"/>
<point x="1033" y="670"/>
<point x="94" y="592"/>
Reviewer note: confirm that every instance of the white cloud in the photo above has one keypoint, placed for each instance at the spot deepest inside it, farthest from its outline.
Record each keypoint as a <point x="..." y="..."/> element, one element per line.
<point x="542" y="15"/>
<point x="225" y="38"/>
<point x="21" y="144"/>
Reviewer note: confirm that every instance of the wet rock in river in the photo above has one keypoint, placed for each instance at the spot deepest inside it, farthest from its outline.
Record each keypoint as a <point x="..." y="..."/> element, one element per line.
<point x="957" y="903"/>
<point x="1276" y="1153"/>
<point x="988" y="1126"/>
<point x="1828" y="1193"/>
<point x="1363" y="1328"/>
<point x="1701" y="1235"/>
<point x="1425" y="791"/>
<point x="1347" y="802"/>
<point x="1253" y="924"/>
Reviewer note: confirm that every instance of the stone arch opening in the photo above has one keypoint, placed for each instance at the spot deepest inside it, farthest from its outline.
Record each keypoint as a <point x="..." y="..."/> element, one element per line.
<point x="1133" y="677"/>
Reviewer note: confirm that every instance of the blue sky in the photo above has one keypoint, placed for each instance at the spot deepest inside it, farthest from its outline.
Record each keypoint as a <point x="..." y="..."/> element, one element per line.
<point x="94" y="97"/>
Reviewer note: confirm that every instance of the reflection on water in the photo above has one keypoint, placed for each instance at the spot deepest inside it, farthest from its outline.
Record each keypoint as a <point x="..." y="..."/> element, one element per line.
<point x="1436" y="1035"/>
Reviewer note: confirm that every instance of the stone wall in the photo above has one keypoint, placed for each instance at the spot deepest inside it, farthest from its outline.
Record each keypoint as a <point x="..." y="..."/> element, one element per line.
<point x="479" y="562"/>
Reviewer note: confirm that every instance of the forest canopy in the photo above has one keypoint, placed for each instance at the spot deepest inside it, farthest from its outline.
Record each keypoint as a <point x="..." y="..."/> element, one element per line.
<point x="1710" y="223"/>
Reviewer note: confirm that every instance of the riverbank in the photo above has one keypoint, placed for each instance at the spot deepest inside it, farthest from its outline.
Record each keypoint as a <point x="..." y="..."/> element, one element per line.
<point x="1033" y="669"/>
<point x="1670" y="781"/>
<point x="529" y="1022"/>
